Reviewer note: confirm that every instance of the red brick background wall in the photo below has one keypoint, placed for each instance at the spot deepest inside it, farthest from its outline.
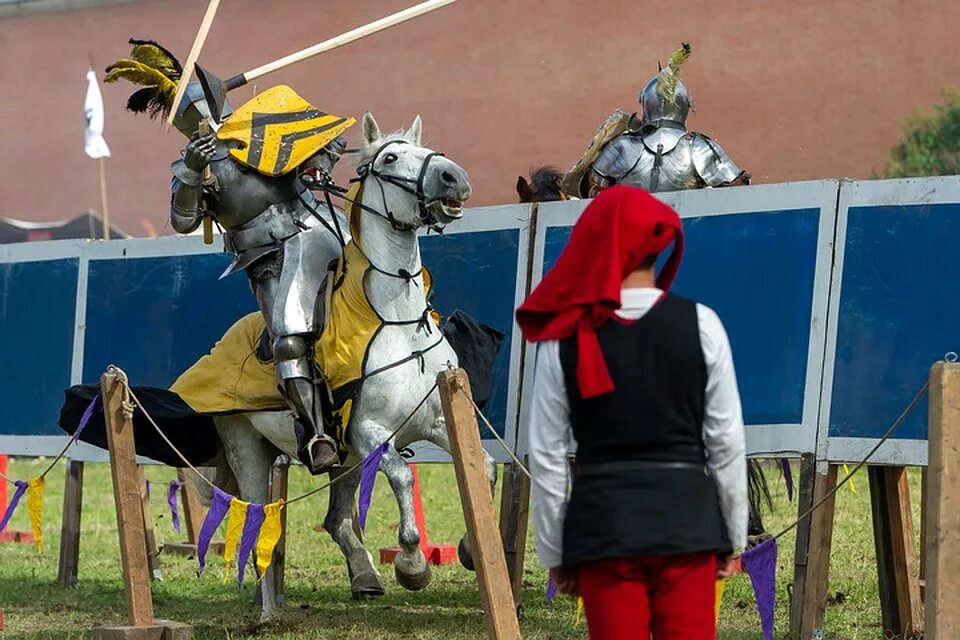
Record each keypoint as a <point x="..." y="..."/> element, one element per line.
<point x="793" y="91"/>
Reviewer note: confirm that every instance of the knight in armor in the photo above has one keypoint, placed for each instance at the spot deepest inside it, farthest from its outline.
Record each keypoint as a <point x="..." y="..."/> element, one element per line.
<point x="656" y="153"/>
<point x="253" y="182"/>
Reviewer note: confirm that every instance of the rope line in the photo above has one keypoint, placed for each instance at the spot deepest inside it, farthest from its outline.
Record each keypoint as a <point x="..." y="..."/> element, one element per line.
<point x="496" y="435"/>
<point x="861" y="464"/>
<point x="125" y="383"/>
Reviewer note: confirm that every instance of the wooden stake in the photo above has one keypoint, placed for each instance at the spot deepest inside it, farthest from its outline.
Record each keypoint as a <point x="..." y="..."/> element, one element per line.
<point x="105" y="212"/>
<point x="126" y="493"/>
<point x="198" y="41"/>
<point x="468" y="461"/>
<point x="514" y="516"/>
<point x="813" y="597"/>
<point x="279" y="483"/>
<point x="70" y="526"/>
<point x="943" y="517"/>
<point x="150" y="535"/>
<point x="808" y="472"/>
<point x="897" y="570"/>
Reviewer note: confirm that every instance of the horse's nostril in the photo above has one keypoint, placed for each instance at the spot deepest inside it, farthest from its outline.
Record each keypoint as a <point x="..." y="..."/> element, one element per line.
<point x="448" y="177"/>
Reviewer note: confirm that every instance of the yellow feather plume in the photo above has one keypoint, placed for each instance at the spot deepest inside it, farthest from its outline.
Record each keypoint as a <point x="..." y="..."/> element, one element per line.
<point x="154" y="56"/>
<point x="670" y="76"/>
<point x="142" y="74"/>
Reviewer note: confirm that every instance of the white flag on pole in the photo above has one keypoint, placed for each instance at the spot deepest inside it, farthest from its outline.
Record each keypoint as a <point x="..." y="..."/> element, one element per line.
<point x="94" y="144"/>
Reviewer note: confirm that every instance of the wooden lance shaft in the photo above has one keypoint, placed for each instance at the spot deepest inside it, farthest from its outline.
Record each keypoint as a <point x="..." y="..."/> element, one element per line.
<point x="338" y="41"/>
<point x="207" y="177"/>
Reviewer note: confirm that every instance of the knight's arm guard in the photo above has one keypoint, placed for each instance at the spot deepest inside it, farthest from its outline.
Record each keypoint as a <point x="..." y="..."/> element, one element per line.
<point x="608" y="168"/>
<point x="714" y="166"/>
<point x="186" y="198"/>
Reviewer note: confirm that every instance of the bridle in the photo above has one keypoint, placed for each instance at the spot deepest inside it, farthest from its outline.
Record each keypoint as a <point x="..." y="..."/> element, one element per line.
<point x="426" y="210"/>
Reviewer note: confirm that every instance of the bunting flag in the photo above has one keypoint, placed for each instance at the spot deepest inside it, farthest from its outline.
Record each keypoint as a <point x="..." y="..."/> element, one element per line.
<point x="256" y="514"/>
<point x="93" y="142"/>
<point x="237" y="516"/>
<point x="551" y="590"/>
<point x="35" y="509"/>
<point x="269" y="535"/>
<point x="787" y="477"/>
<point x="21" y="488"/>
<point x="579" y="614"/>
<point x="368" y="477"/>
<point x="85" y="418"/>
<point x="218" y="510"/>
<point x="760" y="563"/>
<point x="853" y="485"/>
<point x="720" y="585"/>
<point x="172" y="491"/>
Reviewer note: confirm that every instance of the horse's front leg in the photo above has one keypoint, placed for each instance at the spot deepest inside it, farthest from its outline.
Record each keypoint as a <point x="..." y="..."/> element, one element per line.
<point x="439" y="437"/>
<point x="410" y="565"/>
<point x="365" y="580"/>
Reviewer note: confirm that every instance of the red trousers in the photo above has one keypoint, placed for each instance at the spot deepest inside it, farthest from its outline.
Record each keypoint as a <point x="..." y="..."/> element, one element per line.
<point x="663" y="597"/>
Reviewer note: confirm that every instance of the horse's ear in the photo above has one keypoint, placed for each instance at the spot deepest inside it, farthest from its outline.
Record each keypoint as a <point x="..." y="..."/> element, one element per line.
<point x="415" y="132"/>
<point x="523" y="190"/>
<point x="371" y="130"/>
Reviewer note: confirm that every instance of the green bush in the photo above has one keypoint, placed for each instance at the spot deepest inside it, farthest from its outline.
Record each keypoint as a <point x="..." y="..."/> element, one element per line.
<point x="931" y="142"/>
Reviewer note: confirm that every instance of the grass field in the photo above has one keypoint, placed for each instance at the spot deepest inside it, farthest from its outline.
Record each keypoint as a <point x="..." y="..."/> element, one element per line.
<point x="318" y="599"/>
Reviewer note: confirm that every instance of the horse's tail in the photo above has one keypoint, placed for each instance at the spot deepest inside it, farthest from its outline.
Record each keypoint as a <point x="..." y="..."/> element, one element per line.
<point x="759" y="494"/>
<point x="220" y="474"/>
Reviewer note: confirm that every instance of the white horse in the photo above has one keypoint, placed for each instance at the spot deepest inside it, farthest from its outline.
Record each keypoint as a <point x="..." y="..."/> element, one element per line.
<point x="405" y="187"/>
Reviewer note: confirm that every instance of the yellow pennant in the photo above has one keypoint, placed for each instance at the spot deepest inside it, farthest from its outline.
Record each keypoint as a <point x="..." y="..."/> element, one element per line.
<point x="579" y="615"/>
<point x="720" y="584"/>
<point x="853" y="486"/>
<point x="236" y="517"/>
<point x="269" y="535"/>
<point x="35" y="510"/>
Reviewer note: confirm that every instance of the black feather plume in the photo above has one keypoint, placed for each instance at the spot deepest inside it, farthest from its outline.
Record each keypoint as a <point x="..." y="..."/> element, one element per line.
<point x="148" y="100"/>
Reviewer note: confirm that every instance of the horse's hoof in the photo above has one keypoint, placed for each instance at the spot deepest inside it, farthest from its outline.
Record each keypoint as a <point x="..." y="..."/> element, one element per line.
<point x="366" y="587"/>
<point x="466" y="559"/>
<point x="412" y="570"/>
<point x="413" y="582"/>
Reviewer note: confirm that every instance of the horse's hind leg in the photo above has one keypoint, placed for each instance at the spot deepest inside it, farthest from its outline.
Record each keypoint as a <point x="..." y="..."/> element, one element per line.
<point x="440" y="438"/>
<point x="251" y="457"/>
<point x="365" y="580"/>
<point x="410" y="565"/>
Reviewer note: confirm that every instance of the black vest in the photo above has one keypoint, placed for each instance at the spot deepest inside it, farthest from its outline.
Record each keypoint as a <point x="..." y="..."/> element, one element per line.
<point x="641" y="487"/>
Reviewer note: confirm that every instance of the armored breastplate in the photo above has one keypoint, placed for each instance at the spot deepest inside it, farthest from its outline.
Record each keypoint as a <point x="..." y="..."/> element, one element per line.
<point x="665" y="159"/>
<point x="244" y="194"/>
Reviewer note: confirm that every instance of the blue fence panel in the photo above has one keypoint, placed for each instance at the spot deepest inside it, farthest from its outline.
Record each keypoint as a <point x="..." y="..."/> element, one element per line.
<point x="154" y="317"/>
<point x="37" y="310"/>
<point x="476" y="272"/>
<point x="897" y="315"/>
<point x="756" y="270"/>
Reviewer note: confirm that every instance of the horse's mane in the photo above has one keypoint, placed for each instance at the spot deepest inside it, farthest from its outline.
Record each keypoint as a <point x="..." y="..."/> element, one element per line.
<point x="366" y="153"/>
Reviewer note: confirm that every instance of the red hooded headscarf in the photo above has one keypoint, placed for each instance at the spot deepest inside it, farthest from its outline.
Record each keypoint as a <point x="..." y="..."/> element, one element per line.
<point x="618" y="230"/>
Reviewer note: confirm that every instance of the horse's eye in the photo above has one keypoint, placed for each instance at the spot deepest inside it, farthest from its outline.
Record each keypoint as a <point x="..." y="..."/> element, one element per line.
<point x="390" y="158"/>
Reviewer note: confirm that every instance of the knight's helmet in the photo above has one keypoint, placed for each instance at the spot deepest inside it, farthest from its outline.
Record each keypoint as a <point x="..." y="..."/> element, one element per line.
<point x="158" y="71"/>
<point x="665" y="99"/>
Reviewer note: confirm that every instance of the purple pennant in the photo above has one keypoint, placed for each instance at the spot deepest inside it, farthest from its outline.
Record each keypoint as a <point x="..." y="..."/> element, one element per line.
<point x="551" y="590"/>
<point x="368" y="476"/>
<point x="21" y="488"/>
<point x="172" y="503"/>
<point x="87" y="414"/>
<point x="251" y="530"/>
<point x="760" y="563"/>
<point x="787" y="477"/>
<point x="216" y="514"/>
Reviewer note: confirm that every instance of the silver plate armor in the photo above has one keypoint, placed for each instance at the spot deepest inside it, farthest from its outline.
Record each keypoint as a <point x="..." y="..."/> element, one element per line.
<point x="665" y="160"/>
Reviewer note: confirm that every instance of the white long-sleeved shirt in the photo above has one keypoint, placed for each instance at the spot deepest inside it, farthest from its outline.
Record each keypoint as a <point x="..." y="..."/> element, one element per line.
<point x="551" y="437"/>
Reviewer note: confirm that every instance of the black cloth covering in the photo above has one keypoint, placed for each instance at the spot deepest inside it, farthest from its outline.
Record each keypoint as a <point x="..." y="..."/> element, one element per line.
<point x="476" y="346"/>
<point x="192" y="433"/>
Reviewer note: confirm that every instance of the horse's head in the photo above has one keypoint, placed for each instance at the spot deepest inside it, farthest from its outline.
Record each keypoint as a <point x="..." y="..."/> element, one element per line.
<point x="544" y="186"/>
<point x="411" y="185"/>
